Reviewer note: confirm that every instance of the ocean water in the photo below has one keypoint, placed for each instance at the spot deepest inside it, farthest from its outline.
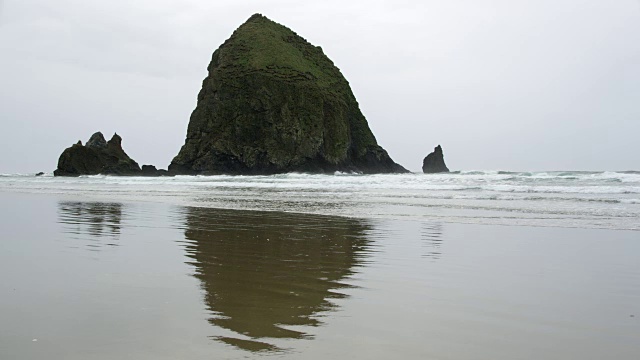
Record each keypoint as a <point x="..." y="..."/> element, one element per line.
<point x="609" y="200"/>
<point x="473" y="265"/>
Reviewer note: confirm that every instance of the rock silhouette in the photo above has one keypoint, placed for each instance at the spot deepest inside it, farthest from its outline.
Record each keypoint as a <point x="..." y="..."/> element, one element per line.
<point x="98" y="156"/>
<point x="434" y="162"/>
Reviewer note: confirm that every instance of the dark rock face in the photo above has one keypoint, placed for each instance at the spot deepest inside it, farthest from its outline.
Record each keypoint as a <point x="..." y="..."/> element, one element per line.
<point x="97" y="141"/>
<point x="434" y="162"/>
<point x="274" y="103"/>
<point x="150" y="170"/>
<point x="97" y="157"/>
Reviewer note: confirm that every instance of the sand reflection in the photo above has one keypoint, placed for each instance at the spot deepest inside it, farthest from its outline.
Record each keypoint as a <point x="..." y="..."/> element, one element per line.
<point x="431" y="234"/>
<point x="269" y="276"/>
<point x="97" y="223"/>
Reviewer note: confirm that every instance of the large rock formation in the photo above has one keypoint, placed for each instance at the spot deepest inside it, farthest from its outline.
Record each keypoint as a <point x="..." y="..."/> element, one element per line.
<point x="97" y="157"/>
<point x="434" y="162"/>
<point x="273" y="103"/>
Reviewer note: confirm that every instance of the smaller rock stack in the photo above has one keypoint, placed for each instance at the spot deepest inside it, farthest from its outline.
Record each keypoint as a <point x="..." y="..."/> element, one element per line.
<point x="434" y="162"/>
<point x="98" y="156"/>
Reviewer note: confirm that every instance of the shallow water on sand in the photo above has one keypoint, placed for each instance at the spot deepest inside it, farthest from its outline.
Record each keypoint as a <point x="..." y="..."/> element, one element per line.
<point x="602" y="200"/>
<point x="86" y="279"/>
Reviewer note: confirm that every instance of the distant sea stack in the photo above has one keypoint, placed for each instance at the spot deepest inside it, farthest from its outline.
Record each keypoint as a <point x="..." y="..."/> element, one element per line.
<point x="274" y="103"/>
<point x="98" y="156"/>
<point x="434" y="162"/>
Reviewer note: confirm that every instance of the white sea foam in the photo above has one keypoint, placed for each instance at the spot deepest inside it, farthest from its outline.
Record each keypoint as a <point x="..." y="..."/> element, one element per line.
<point x="558" y="198"/>
<point x="630" y="201"/>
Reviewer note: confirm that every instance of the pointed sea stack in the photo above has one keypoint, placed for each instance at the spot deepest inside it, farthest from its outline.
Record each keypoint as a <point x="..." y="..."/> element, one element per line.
<point x="97" y="157"/>
<point x="434" y="162"/>
<point x="274" y="103"/>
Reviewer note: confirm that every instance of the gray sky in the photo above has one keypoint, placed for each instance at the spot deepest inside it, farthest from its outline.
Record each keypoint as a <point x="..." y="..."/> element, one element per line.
<point x="503" y="85"/>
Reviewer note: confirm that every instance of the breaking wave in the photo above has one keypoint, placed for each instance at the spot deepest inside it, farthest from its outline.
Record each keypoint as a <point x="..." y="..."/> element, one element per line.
<point x="607" y="199"/>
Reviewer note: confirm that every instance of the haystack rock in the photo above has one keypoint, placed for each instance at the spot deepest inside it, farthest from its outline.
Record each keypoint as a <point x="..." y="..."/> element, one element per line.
<point x="274" y="103"/>
<point x="434" y="162"/>
<point x="98" y="156"/>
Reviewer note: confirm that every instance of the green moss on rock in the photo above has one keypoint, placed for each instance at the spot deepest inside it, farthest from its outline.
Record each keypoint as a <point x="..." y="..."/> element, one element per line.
<point x="271" y="103"/>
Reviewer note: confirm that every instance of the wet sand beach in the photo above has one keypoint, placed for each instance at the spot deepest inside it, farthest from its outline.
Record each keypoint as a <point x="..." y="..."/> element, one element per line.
<point x="86" y="279"/>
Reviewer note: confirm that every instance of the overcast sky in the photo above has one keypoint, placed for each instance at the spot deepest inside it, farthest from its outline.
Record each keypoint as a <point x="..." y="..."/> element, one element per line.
<point x="503" y="85"/>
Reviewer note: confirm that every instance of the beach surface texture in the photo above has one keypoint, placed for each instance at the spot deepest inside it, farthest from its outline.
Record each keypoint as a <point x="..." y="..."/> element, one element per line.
<point x="462" y="265"/>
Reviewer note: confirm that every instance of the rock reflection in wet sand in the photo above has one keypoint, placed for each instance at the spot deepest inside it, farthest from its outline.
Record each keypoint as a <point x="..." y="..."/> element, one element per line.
<point x="269" y="275"/>
<point x="431" y="234"/>
<point x="98" y="222"/>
